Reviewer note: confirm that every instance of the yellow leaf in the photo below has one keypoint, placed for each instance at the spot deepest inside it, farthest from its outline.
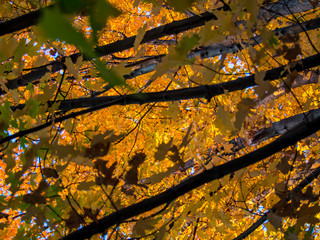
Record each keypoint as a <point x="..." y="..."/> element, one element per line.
<point x="139" y="37"/>
<point x="162" y="150"/>
<point x="275" y="220"/>
<point x="141" y="227"/>
<point x="223" y="121"/>
<point x="158" y="177"/>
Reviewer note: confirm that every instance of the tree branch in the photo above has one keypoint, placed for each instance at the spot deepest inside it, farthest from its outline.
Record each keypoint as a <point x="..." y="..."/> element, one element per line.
<point x="283" y="125"/>
<point x="153" y="34"/>
<point x="300" y="132"/>
<point x="21" y="22"/>
<point x="207" y="91"/>
<point x="277" y="128"/>
<point x="118" y="46"/>
<point x="305" y="182"/>
<point x="282" y="8"/>
<point x="149" y="64"/>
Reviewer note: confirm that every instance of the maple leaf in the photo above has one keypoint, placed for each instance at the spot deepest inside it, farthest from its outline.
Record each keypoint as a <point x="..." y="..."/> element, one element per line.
<point x="79" y="97"/>
<point x="162" y="150"/>
<point x="74" y="220"/>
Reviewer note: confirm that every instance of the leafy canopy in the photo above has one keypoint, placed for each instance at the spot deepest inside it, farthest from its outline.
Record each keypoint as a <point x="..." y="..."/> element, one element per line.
<point x="157" y="119"/>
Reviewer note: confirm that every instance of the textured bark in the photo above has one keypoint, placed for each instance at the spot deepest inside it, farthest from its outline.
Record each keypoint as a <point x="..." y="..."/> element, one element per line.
<point x="284" y="7"/>
<point x="149" y="65"/>
<point x="276" y="129"/>
<point x="207" y="91"/>
<point x="284" y="125"/>
<point x="308" y="77"/>
<point x="305" y="182"/>
<point x="151" y="35"/>
<point x="300" y="132"/>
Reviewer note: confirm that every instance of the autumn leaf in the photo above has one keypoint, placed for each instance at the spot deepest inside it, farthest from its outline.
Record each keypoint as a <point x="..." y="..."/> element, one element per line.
<point x="106" y="128"/>
<point x="162" y="150"/>
<point x="284" y="165"/>
<point x="97" y="150"/>
<point x="34" y="198"/>
<point x="275" y="220"/>
<point x="132" y="175"/>
<point x="244" y="108"/>
<point x="156" y="178"/>
<point x="50" y="172"/>
<point x="264" y="88"/>
<point x="223" y="120"/>
<point x="137" y="159"/>
<point x="181" y="5"/>
<point x="186" y="139"/>
<point x="141" y="227"/>
<point x="74" y="220"/>
<point x="55" y="25"/>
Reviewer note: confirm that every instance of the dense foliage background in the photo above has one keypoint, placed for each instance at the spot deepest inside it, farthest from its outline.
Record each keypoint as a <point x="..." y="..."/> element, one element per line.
<point x="159" y="119"/>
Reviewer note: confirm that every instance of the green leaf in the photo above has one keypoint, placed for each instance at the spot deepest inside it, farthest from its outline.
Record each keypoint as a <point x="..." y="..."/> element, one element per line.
<point x="273" y="41"/>
<point x="110" y="76"/>
<point x="99" y="13"/>
<point x="56" y="26"/>
<point x="12" y="179"/>
<point x="72" y="6"/>
<point x="223" y="120"/>
<point x="186" y="44"/>
<point x="181" y="5"/>
<point x="32" y="107"/>
<point x="53" y="190"/>
<point x="20" y="50"/>
<point x="52" y="213"/>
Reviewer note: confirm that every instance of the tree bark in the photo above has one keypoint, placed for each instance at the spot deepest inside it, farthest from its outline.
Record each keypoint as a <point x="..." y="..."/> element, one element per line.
<point x="207" y="91"/>
<point x="286" y="140"/>
<point x="153" y="34"/>
<point x="224" y="47"/>
<point x="276" y="129"/>
<point x="284" y="7"/>
<point x="305" y="182"/>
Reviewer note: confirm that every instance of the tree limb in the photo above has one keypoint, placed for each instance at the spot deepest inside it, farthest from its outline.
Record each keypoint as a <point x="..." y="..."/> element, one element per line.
<point x="305" y="182"/>
<point x="300" y="132"/>
<point x="153" y="34"/>
<point x="118" y="46"/>
<point x="207" y="91"/>
<point x="217" y="49"/>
